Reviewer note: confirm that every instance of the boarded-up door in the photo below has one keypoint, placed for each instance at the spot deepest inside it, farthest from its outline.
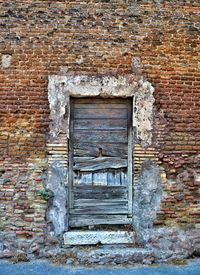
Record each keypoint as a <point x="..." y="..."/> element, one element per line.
<point x="100" y="169"/>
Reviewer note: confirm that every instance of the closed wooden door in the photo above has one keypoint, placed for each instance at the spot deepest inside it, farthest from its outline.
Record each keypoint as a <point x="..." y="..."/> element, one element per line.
<point x="100" y="169"/>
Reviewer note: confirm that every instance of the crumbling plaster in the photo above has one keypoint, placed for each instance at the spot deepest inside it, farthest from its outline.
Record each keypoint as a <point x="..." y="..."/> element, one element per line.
<point x="58" y="209"/>
<point x="147" y="199"/>
<point x="60" y="89"/>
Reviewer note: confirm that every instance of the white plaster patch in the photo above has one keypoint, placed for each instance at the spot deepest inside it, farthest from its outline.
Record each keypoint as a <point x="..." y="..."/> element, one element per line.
<point x="6" y="60"/>
<point x="143" y="112"/>
<point x="95" y="237"/>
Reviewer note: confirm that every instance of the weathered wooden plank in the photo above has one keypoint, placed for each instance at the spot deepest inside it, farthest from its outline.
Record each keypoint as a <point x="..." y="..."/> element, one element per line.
<point x="130" y="160"/>
<point x="83" y="178"/>
<point x="101" y="208"/>
<point x="104" y="124"/>
<point x="100" y="105"/>
<point x="108" y="149"/>
<point x="108" y="177"/>
<point x="91" y="202"/>
<point x="93" y="164"/>
<point x="100" y="135"/>
<point x="99" y="192"/>
<point x="99" y="113"/>
<point x="99" y="178"/>
<point x="85" y="220"/>
<point x="106" y="101"/>
<point x="95" y="237"/>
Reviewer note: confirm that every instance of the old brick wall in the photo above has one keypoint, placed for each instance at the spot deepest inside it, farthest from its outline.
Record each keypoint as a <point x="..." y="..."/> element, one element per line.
<point x="39" y="38"/>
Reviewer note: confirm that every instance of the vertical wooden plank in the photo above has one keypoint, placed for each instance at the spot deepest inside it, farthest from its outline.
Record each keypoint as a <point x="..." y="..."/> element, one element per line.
<point x="124" y="180"/>
<point x="110" y="178"/>
<point x="100" y="178"/>
<point x="85" y="178"/>
<point x="117" y="177"/>
<point x="130" y="165"/>
<point x="70" y="166"/>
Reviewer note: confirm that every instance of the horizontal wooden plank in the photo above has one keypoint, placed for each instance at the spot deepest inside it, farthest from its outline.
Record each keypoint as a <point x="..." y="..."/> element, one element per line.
<point x="106" y="101"/>
<point x="100" y="192"/>
<point x="100" y="105"/>
<point x="103" y="124"/>
<point x="93" y="164"/>
<point x="114" y="208"/>
<point x="93" y="202"/>
<point x="86" y="220"/>
<point x="99" y="113"/>
<point x="100" y="136"/>
<point x="108" y="149"/>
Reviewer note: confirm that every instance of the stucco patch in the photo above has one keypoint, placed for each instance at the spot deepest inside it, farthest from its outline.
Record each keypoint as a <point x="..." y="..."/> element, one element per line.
<point x="143" y="112"/>
<point x="147" y="199"/>
<point x="6" y="60"/>
<point x="58" y="207"/>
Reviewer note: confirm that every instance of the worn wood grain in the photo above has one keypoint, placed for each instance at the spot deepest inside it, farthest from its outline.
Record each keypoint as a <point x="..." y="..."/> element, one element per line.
<point x="104" y="101"/>
<point x="100" y="105"/>
<point x="85" y="220"/>
<point x="109" y="177"/>
<point x="99" y="113"/>
<point x="81" y="202"/>
<point x="101" y="208"/>
<point x="93" y="164"/>
<point x="92" y="149"/>
<point x="130" y="159"/>
<point x="100" y="136"/>
<point x="100" y="192"/>
<point x="97" y="124"/>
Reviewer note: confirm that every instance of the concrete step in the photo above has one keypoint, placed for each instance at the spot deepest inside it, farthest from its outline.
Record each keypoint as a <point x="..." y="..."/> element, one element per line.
<point x="98" y="237"/>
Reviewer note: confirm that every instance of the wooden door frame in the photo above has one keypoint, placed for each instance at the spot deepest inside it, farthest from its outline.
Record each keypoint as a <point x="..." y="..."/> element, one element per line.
<point x="130" y="160"/>
<point x="130" y="153"/>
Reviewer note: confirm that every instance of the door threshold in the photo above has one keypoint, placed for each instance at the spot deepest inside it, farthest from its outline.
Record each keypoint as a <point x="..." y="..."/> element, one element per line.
<point x="78" y="237"/>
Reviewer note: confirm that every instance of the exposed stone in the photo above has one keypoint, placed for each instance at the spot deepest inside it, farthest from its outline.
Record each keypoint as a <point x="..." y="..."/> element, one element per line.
<point x="165" y="245"/>
<point x="7" y="254"/>
<point x="115" y="255"/>
<point x="1" y="247"/>
<point x="172" y="243"/>
<point x="58" y="204"/>
<point x="197" y="250"/>
<point x="147" y="198"/>
<point x="64" y="257"/>
<point x="20" y="256"/>
<point x="34" y="248"/>
<point x="51" y="240"/>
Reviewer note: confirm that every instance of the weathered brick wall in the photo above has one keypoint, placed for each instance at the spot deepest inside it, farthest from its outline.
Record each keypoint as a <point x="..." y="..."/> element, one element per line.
<point x="97" y="38"/>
